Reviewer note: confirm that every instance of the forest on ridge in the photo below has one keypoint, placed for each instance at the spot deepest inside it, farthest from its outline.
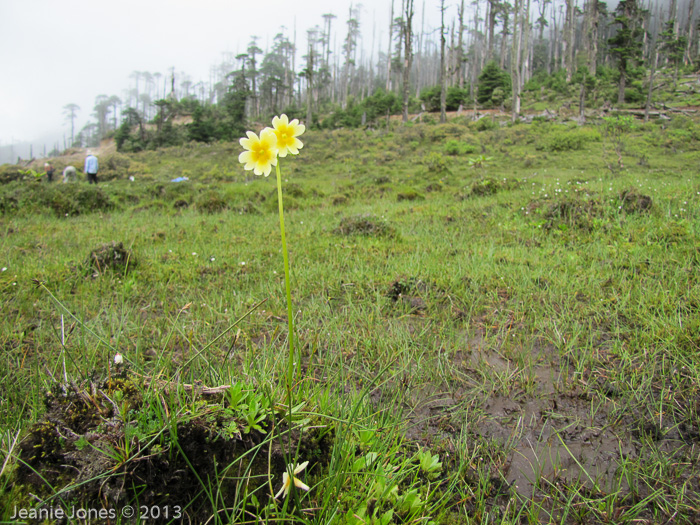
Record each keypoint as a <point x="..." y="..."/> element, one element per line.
<point x="490" y="54"/>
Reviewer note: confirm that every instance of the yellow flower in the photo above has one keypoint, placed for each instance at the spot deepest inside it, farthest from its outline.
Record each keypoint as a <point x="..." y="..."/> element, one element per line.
<point x="287" y="133"/>
<point x="287" y="482"/>
<point x="262" y="152"/>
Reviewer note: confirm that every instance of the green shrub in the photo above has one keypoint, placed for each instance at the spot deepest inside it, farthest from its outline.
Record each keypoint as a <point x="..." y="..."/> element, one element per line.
<point x="409" y="194"/>
<point x="74" y="199"/>
<point x="9" y="172"/>
<point x="436" y="162"/>
<point x="456" y="147"/>
<point x="485" y="124"/>
<point x="570" y="140"/>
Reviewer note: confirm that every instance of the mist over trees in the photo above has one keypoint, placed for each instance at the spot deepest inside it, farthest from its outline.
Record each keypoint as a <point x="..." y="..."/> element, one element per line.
<point x="344" y="71"/>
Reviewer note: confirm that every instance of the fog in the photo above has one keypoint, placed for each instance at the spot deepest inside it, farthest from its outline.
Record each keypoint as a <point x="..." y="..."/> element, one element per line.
<point x="57" y="53"/>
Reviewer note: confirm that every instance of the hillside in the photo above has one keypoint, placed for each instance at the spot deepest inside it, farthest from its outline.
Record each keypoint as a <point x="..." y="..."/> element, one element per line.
<point x="494" y="322"/>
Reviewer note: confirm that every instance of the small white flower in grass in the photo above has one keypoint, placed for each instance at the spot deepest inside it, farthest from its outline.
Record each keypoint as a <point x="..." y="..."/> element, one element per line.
<point x="4" y="269"/>
<point x="287" y="482"/>
<point x="118" y="359"/>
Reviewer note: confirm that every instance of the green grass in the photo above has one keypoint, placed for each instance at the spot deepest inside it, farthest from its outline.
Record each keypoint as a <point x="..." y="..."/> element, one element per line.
<point x="523" y="354"/>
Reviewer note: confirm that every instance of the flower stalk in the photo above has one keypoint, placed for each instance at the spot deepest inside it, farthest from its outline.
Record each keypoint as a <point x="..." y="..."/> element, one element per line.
<point x="288" y="289"/>
<point x="261" y="153"/>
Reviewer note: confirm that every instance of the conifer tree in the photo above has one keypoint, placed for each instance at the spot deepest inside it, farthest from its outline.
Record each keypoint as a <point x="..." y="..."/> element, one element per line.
<point x="626" y="45"/>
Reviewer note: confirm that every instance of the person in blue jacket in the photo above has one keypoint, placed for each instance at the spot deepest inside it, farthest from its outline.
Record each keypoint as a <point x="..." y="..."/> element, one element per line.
<point x="91" y="168"/>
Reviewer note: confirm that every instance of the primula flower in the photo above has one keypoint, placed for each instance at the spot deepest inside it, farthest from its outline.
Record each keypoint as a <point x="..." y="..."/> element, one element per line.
<point x="287" y="482"/>
<point x="262" y="152"/>
<point x="287" y="133"/>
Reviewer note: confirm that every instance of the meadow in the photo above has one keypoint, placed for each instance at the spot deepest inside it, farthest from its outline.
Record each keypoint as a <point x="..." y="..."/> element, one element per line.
<point x="495" y="323"/>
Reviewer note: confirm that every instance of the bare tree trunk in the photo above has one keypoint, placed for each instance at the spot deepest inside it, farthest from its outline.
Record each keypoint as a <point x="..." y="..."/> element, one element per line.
<point x="673" y="15"/>
<point x="515" y="58"/>
<point x="422" y="54"/>
<point x="582" y="101"/>
<point x="592" y="35"/>
<point x="554" y="38"/>
<point x="491" y="12"/>
<point x="309" y="82"/>
<point x="688" y="59"/>
<point x="460" y="47"/>
<point x="388" y="54"/>
<point x="650" y="91"/>
<point x="568" y="40"/>
<point x="504" y="38"/>
<point x="408" y="54"/>
<point x="525" y="36"/>
<point x="443" y="79"/>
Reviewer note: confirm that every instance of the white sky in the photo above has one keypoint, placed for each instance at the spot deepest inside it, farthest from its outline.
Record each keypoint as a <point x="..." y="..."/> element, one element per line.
<point x="56" y="52"/>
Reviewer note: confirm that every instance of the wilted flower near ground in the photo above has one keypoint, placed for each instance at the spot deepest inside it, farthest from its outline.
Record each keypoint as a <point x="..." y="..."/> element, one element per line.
<point x="262" y="152"/>
<point x="287" y="482"/>
<point x="287" y="133"/>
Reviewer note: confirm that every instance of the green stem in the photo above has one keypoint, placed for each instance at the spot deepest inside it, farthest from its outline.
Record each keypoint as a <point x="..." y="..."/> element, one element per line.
<point x="288" y="286"/>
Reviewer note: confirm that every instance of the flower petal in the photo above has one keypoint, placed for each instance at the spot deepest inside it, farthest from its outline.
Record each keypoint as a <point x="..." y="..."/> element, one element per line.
<point x="301" y="485"/>
<point x="285" y="486"/>
<point x="300" y="467"/>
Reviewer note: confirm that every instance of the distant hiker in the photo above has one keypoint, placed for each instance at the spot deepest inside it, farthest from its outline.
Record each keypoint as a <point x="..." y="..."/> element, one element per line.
<point x="49" y="169"/>
<point x="91" y="168"/>
<point x="69" y="174"/>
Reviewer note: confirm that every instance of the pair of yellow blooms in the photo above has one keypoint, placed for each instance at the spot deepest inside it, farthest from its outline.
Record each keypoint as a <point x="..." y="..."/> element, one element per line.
<point x="262" y="151"/>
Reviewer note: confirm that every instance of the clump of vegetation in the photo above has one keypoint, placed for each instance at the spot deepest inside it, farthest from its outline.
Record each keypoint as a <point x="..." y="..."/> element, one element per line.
<point x="490" y="186"/>
<point x="572" y="213"/>
<point x="635" y="202"/>
<point x="436" y="163"/>
<point x="456" y="147"/>
<point x="409" y="194"/>
<point x="479" y="162"/>
<point x="111" y="257"/>
<point x="570" y="140"/>
<point x="10" y="172"/>
<point x="366" y="225"/>
<point x="211" y="202"/>
<point x="339" y="199"/>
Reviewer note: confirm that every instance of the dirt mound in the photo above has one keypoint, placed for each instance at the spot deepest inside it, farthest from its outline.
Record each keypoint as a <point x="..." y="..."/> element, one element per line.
<point x="368" y="225"/>
<point x="635" y="202"/>
<point x="110" y="257"/>
<point x="124" y="441"/>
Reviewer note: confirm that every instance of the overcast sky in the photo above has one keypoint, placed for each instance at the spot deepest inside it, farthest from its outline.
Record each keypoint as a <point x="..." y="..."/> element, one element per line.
<point x="56" y="52"/>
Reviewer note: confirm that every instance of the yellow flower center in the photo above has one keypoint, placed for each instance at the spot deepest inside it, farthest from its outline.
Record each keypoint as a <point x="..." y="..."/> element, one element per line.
<point x="261" y="153"/>
<point x="285" y="136"/>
